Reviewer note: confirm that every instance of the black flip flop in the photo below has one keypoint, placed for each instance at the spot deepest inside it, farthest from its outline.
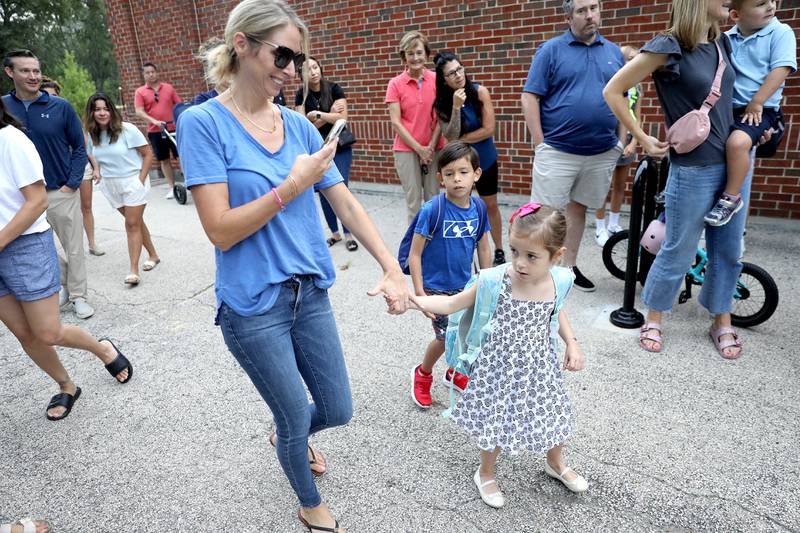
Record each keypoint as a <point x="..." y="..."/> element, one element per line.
<point x="311" y="528"/>
<point x="351" y="245"/>
<point x="119" y="364"/>
<point x="63" y="399"/>
<point x="331" y="241"/>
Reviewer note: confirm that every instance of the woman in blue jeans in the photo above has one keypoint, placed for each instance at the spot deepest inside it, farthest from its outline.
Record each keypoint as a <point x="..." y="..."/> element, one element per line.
<point x="683" y="62"/>
<point x="253" y="168"/>
<point x="323" y="104"/>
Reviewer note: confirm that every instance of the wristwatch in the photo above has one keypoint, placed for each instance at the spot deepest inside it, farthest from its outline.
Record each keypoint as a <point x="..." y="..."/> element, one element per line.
<point x="318" y="115"/>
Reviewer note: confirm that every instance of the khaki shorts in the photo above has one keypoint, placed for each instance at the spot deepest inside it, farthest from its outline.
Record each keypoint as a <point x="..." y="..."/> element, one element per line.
<point x="560" y="177"/>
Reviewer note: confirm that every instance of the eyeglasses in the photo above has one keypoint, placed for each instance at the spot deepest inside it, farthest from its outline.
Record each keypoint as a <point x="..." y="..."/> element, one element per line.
<point x="284" y="54"/>
<point x="453" y="74"/>
<point x="155" y="94"/>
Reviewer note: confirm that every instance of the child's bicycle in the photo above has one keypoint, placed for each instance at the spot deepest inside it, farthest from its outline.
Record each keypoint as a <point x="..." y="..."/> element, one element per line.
<point x="755" y="298"/>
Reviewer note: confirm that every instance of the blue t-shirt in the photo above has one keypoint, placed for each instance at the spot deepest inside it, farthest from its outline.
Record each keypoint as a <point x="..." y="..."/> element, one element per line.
<point x="756" y="55"/>
<point x="569" y="77"/>
<point x="487" y="152"/>
<point x="217" y="149"/>
<point x="447" y="257"/>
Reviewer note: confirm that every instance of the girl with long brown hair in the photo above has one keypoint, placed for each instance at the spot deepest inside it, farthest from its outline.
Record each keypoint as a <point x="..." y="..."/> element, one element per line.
<point x="124" y="157"/>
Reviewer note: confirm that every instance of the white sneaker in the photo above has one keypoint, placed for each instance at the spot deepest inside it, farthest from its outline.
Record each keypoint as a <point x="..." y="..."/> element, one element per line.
<point x="579" y="484"/>
<point x="494" y="499"/>
<point x="82" y="308"/>
<point x="63" y="297"/>
<point x="616" y="228"/>
<point x="600" y="237"/>
<point x="170" y="195"/>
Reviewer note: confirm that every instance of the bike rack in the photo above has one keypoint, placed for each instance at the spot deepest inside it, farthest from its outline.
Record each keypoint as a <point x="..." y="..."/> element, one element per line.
<point x="645" y="186"/>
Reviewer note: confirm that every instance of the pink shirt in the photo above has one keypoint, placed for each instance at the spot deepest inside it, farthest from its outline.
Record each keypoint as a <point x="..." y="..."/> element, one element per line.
<point x="416" y="108"/>
<point x="145" y="97"/>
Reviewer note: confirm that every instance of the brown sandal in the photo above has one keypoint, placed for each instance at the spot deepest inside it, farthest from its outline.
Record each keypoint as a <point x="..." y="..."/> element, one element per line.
<point x="311" y="462"/>
<point x="311" y="528"/>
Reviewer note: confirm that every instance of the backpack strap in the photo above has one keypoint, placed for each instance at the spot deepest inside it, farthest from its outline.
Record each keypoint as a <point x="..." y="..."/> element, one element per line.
<point x="563" y="279"/>
<point x="439" y="213"/>
<point x="715" y="93"/>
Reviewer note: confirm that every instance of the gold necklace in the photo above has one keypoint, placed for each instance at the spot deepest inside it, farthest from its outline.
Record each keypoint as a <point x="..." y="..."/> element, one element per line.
<point x="248" y="119"/>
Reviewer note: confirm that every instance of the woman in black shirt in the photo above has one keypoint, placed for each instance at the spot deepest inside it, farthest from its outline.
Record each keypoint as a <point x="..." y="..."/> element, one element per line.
<point x="323" y="106"/>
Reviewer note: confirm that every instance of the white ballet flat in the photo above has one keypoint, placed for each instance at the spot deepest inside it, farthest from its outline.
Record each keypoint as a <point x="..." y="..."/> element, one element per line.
<point x="579" y="484"/>
<point x="494" y="499"/>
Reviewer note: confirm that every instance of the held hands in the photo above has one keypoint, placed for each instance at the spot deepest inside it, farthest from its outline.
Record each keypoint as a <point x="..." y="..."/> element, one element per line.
<point x="425" y="154"/>
<point x="395" y="291"/>
<point x="655" y="148"/>
<point x="752" y="114"/>
<point x="308" y="169"/>
<point x="459" y="97"/>
<point x="573" y="357"/>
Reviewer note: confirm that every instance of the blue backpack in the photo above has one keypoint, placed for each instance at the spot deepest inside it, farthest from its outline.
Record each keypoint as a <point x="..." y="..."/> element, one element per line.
<point x="405" y="244"/>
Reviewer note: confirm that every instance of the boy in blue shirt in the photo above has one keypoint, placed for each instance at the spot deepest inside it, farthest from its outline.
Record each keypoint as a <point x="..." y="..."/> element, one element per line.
<point x="441" y="263"/>
<point x="764" y="55"/>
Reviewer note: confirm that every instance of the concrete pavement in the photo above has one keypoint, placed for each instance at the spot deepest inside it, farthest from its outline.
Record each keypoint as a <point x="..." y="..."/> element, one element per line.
<point x="677" y="441"/>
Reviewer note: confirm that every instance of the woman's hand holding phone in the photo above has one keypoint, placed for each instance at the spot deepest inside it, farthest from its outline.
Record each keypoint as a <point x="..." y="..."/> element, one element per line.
<point x="309" y="168"/>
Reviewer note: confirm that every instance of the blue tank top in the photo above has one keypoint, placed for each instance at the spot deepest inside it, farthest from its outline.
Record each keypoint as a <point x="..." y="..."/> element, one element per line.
<point x="471" y="121"/>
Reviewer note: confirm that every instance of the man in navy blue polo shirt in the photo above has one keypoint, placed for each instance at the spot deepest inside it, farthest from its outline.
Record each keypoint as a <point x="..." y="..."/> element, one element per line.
<point x="575" y="134"/>
<point x="55" y="130"/>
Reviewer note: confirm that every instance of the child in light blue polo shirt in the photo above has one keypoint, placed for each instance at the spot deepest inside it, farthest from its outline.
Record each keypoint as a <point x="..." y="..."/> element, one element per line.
<point x="764" y="55"/>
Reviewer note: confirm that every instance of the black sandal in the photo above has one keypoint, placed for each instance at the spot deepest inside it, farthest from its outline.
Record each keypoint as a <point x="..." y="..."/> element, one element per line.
<point x="351" y="245"/>
<point x="333" y="241"/>
<point x="334" y="529"/>
<point x="311" y="462"/>
<point x="63" y="399"/>
<point x="119" y="364"/>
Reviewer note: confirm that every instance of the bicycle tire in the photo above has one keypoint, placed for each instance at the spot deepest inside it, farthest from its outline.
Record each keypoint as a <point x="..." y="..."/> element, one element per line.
<point x="748" y="309"/>
<point x="615" y="254"/>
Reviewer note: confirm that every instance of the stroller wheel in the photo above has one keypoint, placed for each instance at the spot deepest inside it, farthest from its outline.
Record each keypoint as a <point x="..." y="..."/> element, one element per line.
<point x="180" y="193"/>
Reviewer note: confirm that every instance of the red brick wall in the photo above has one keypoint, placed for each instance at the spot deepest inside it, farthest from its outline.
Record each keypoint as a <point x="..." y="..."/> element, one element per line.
<point x="356" y="42"/>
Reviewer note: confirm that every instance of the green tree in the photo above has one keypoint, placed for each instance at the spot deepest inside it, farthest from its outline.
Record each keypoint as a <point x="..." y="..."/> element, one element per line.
<point x="76" y="83"/>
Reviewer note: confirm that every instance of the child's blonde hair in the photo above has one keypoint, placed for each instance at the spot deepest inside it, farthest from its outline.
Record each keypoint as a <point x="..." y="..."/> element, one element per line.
<point x="546" y="225"/>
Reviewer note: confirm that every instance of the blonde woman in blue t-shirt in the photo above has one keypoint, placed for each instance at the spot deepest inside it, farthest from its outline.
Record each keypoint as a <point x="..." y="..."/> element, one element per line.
<point x="124" y="157"/>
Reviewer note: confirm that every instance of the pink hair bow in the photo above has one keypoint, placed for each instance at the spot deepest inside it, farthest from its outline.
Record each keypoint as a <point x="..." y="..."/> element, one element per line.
<point x="525" y="210"/>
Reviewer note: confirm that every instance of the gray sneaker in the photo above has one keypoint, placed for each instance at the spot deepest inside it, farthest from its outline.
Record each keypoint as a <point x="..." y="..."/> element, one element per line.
<point x="723" y="211"/>
<point x="81" y="308"/>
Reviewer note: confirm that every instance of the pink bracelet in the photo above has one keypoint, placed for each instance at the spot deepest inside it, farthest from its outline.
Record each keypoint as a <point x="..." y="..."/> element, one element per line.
<point x="277" y="197"/>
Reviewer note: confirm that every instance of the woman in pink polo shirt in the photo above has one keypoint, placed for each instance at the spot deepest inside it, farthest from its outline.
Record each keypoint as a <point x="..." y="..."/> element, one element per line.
<point x="417" y="132"/>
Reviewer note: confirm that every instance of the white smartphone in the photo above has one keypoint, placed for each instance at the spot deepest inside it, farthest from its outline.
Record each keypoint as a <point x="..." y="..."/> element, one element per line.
<point x="337" y="128"/>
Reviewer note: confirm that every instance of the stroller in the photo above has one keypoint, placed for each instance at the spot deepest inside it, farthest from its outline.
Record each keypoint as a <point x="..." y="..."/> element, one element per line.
<point x="179" y="190"/>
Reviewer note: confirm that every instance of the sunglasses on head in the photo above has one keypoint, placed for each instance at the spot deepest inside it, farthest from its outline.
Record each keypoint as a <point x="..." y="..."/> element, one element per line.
<point x="284" y="54"/>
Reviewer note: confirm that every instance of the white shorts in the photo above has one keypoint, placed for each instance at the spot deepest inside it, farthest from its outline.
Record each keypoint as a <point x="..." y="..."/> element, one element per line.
<point x="125" y="192"/>
<point x="87" y="172"/>
<point x="559" y="177"/>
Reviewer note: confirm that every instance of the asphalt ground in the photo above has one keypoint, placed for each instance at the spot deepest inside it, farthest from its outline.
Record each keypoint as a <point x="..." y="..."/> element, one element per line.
<point x="677" y="441"/>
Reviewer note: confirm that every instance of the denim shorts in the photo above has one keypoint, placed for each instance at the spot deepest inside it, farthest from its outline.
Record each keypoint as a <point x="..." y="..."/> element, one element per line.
<point x="440" y="321"/>
<point x="29" y="267"/>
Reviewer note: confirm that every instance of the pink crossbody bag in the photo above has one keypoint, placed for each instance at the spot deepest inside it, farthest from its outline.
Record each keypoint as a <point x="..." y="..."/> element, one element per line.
<point x="693" y="128"/>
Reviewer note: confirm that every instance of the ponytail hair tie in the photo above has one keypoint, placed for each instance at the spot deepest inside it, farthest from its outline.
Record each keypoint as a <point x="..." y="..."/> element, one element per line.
<point x="525" y="210"/>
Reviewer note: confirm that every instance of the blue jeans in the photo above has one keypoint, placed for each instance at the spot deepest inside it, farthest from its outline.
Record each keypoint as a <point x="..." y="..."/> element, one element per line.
<point x="343" y="159"/>
<point x="691" y="193"/>
<point x="293" y="343"/>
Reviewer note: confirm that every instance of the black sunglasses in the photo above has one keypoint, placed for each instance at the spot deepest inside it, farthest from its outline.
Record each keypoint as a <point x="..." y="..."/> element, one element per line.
<point x="285" y="54"/>
<point x="155" y="94"/>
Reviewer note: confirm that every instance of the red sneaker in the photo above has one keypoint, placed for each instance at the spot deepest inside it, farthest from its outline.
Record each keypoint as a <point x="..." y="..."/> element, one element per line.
<point x="460" y="382"/>
<point x="421" y="392"/>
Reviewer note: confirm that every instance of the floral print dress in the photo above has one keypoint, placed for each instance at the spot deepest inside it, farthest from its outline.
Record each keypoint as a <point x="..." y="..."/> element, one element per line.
<point x="516" y="398"/>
